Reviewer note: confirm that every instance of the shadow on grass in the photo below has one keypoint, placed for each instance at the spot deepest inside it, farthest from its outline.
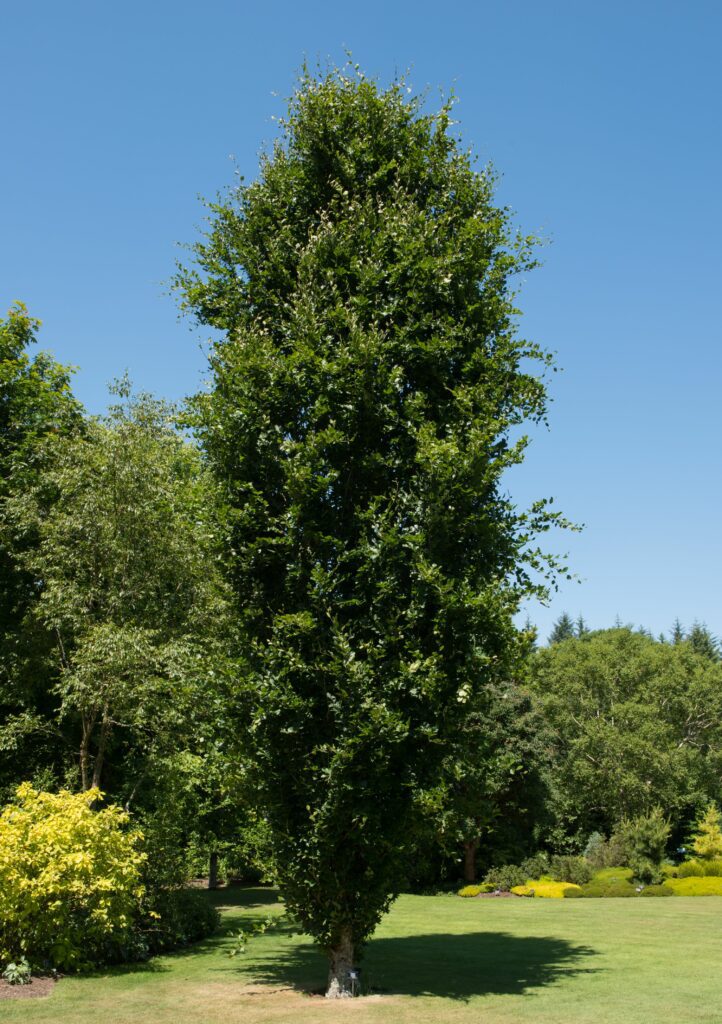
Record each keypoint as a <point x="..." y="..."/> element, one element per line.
<point x="451" y="966"/>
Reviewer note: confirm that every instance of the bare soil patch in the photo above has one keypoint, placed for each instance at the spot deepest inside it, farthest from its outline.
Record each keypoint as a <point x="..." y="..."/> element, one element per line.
<point x="37" y="988"/>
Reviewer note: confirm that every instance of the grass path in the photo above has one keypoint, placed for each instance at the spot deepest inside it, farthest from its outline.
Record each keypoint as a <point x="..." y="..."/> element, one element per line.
<point x="434" y="959"/>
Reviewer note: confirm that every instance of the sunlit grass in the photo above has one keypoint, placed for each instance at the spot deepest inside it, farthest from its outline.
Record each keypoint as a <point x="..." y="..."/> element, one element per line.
<point x="434" y="959"/>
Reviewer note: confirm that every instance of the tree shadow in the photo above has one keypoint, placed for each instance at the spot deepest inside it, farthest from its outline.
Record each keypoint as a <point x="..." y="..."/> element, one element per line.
<point x="450" y="966"/>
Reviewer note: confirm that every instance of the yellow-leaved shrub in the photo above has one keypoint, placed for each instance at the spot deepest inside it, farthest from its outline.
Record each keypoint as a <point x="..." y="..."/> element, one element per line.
<point x="546" y="889"/>
<point x="695" y="886"/>
<point x="69" y="877"/>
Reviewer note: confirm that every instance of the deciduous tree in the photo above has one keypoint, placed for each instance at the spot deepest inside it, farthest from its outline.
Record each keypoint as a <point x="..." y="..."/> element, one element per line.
<point x="364" y="394"/>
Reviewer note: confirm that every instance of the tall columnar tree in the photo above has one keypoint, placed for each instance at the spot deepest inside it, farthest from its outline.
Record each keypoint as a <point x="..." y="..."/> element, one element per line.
<point x="365" y="387"/>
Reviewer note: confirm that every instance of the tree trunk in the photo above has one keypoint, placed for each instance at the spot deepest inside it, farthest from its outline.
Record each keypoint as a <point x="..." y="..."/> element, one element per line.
<point x="470" y="848"/>
<point x="341" y="958"/>
<point x="213" y="870"/>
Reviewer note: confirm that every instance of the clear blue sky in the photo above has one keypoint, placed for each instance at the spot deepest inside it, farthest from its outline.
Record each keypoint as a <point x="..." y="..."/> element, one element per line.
<point x="604" y="120"/>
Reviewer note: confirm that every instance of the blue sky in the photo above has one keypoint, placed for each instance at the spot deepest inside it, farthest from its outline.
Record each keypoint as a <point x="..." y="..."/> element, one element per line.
<point x="604" y="121"/>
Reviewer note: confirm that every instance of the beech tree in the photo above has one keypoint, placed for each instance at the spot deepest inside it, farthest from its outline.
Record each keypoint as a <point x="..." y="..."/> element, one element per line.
<point x="364" y="391"/>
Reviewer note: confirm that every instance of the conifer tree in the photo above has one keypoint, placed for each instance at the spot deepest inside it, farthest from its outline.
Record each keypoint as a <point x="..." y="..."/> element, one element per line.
<point x="707" y="842"/>
<point x="563" y="629"/>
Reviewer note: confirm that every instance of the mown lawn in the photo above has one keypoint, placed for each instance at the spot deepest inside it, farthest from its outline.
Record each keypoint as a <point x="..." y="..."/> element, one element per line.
<point x="434" y="959"/>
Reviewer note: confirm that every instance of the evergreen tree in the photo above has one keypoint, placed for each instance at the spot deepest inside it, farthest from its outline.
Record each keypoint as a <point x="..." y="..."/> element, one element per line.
<point x="707" y="842"/>
<point x="563" y="629"/>
<point x="677" y="635"/>
<point x="704" y="642"/>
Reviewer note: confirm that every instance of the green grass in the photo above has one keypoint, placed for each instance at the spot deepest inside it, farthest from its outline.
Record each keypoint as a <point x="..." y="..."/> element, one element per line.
<point x="434" y="959"/>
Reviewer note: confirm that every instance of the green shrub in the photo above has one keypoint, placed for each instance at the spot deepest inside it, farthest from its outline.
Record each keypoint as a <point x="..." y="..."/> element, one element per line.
<point x="610" y="883"/>
<point x="656" y="890"/>
<point x="691" y="869"/>
<point x="69" y="878"/>
<point x="17" y="973"/>
<point x="184" y="916"/>
<point x="670" y="870"/>
<point x="571" y="869"/>
<point x="646" y="838"/>
<point x="505" y="877"/>
<point x="605" y="853"/>
<point x="535" y="866"/>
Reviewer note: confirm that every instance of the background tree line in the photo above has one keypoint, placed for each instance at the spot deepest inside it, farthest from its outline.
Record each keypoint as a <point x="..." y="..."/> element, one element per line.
<point x="118" y="648"/>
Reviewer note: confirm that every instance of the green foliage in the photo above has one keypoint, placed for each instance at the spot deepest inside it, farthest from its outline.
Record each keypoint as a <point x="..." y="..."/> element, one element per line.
<point x="364" y="396"/>
<point x="243" y="936"/>
<point x="605" y="853"/>
<point x="505" y="877"/>
<point x="36" y="404"/>
<point x="174" y="918"/>
<point x="535" y="866"/>
<point x="563" y="629"/>
<point x="494" y="790"/>
<point x="69" y="878"/>
<point x="17" y="972"/>
<point x="707" y="841"/>
<point x="646" y="839"/>
<point x="703" y="642"/>
<point x="122" y="533"/>
<point x="656" y="890"/>
<point x="565" y="868"/>
<point x="608" y="890"/>
<point x="700" y="869"/>
<point x="635" y="723"/>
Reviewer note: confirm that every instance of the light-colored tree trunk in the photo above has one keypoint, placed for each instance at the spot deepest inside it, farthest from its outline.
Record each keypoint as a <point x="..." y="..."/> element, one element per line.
<point x="341" y="958"/>
<point x="470" y="848"/>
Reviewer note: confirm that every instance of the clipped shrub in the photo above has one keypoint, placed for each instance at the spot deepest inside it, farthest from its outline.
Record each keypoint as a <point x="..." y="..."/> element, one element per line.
<point x="670" y="870"/>
<point x="69" y="878"/>
<point x="656" y="890"/>
<point x="523" y="890"/>
<point x="544" y="889"/>
<point x="708" y="886"/>
<point x="505" y="877"/>
<point x="610" y="883"/>
<point x="475" y="890"/>
<point x="566" y="868"/>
